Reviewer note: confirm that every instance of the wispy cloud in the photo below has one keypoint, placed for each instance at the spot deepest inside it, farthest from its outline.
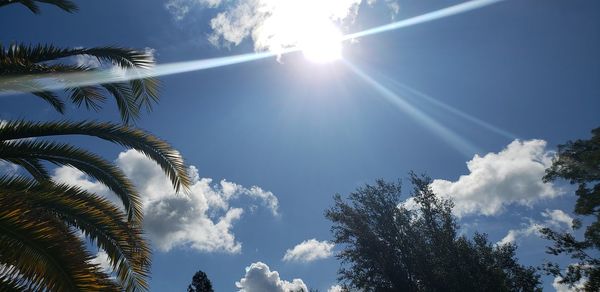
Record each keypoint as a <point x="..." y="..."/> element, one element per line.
<point x="553" y="218"/>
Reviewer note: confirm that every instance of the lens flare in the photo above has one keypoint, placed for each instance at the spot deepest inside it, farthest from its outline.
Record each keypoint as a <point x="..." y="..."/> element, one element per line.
<point x="456" y="141"/>
<point x="427" y="17"/>
<point x="452" y="110"/>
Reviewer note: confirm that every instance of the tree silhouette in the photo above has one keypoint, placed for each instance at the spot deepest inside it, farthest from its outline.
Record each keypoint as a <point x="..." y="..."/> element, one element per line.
<point x="388" y="245"/>
<point x="200" y="283"/>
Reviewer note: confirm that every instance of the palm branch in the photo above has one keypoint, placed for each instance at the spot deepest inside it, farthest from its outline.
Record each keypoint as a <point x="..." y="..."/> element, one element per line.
<point x="16" y="146"/>
<point x="158" y="150"/>
<point x="97" y="218"/>
<point x="22" y="68"/>
<point x="32" y="5"/>
<point x="41" y="253"/>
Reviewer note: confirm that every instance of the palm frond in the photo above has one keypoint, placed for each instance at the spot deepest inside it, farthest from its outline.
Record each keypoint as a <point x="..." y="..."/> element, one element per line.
<point x="52" y="99"/>
<point x="44" y="254"/>
<point x="89" y="163"/>
<point x="126" y="102"/>
<point x="33" y="166"/>
<point x="24" y="64"/>
<point x="122" y="57"/>
<point x="145" y="91"/>
<point x="65" y="5"/>
<point x="90" y="96"/>
<point x="101" y="221"/>
<point x="156" y="149"/>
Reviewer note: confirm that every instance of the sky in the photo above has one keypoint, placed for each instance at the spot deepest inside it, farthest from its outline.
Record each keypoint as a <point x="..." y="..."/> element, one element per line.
<point x="477" y="100"/>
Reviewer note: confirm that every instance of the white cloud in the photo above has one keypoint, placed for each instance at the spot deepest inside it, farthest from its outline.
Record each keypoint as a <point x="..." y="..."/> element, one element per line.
<point x="554" y="218"/>
<point x="558" y="218"/>
<point x="511" y="176"/>
<point x="103" y="261"/>
<point x="513" y="234"/>
<point x="260" y="278"/>
<point x="577" y="287"/>
<point x="335" y="288"/>
<point x="202" y="220"/>
<point x="308" y="251"/>
<point x="180" y="8"/>
<point x="273" y="25"/>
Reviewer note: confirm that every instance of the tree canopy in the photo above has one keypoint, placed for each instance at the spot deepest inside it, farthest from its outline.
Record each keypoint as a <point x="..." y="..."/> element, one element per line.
<point x="391" y="245"/>
<point x="200" y="283"/>
<point x="579" y="163"/>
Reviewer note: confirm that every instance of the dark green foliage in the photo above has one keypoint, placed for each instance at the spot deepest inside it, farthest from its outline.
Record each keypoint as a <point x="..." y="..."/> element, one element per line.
<point x="200" y="283"/>
<point x="389" y="247"/>
<point x="579" y="163"/>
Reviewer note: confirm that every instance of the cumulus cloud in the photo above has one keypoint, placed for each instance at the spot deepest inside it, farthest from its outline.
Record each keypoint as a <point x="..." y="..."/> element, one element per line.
<point x="495" y="180"/>
<point x="308" y="251"/>
<point x="553" y="218"/>
<point x="273" y="24"/>
<point x="202" y="220"/>
<point x="260" y="278"/>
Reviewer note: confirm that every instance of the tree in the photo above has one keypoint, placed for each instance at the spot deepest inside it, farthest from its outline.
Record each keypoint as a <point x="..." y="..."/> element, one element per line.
<point x="389" y="245"/>
<point x="41" y="221"/>
<point x="200" y="283"/>
<point x="579" y="163"/>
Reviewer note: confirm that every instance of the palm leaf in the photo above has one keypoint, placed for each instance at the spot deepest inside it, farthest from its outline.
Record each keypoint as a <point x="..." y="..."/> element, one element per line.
<point x="44" y="254"/>
<point x="156" y="149"/>
<point x="33" y="166"/>
<point x="23" y="65"/>
<point x="126" y="102"/>
<point x="101" y="221"/>
<point x="122" y="57"/>
<point x="89" y="163"/>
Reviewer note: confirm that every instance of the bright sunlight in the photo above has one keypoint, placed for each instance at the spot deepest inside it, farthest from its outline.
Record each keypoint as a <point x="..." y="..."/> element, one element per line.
<point x="322" y="43"/>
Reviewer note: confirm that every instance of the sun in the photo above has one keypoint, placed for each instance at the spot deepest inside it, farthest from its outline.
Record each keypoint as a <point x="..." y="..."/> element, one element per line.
<point x="321" y="42"/>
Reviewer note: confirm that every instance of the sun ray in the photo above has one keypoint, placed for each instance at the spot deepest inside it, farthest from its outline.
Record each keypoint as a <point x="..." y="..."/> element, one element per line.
<point x="462" y="145"/>
<point x="423" y="18"/>
<point x="477" y="121"/>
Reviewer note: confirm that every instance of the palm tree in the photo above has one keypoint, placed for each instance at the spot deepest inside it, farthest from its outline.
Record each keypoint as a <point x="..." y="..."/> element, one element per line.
<point x="39" y="219"/>
<point x="44" y="225"/>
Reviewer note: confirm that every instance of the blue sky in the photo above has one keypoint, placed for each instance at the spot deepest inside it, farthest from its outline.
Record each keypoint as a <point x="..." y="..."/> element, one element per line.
<point x="301" y="131"/>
